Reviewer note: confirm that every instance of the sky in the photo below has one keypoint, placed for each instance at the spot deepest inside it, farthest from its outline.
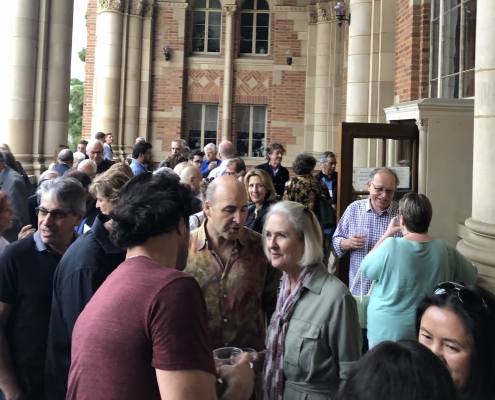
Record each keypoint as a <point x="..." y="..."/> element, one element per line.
<point x="78" y="38"/>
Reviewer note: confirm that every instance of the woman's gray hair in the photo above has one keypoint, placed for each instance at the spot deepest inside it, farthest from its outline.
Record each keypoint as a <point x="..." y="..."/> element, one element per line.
<point x="48" y="172"/>
<point x="210" y="146"/>
<point x="306" y="226"/>
<point x="67" y="191"/>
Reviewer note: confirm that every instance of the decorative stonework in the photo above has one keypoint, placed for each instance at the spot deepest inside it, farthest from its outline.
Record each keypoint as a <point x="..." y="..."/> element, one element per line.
<point x="112" y="5"/>
<point x="312" y="14"/>
<point x="230" y="10"/>
<point x="148" y="9"/>
<point x="289" y="8"/>
<point x="422" y="124"/>
<point x="325" y="12"/>
<point x="135" y="7"/>
<point x="140" y="8"/>
<point x="166" y="4"/>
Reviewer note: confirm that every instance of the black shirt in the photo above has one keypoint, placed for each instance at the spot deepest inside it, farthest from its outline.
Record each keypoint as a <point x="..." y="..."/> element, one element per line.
<point x="26" y="283"/>
<point x="278" y="180"/>
<point x="106" y="164"/>
<point x="82" y="270"/>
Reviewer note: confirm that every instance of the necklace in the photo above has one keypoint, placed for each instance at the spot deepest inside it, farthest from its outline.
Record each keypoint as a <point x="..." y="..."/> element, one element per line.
<point x="139" y="255"/>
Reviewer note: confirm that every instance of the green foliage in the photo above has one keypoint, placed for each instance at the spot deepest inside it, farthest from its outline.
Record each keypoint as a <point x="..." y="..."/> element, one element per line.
<point x="82" y="54"/>
<point x="76" y="112"/>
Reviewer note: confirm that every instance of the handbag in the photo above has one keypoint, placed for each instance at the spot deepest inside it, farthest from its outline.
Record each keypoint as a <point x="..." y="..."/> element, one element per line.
<point x="326" y="213"/>
<point x="362" y="300"/>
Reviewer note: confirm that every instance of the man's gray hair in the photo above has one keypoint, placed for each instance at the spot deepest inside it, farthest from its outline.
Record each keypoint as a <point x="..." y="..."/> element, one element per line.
<point x="47" y="173"/>
<point x="226" y="150"/>
<point x="210" y="146"/>
<point x="140" y="139"/>
<point x="325" y="155"/>
<point x="67" y="191"/>
<point x="403" y="163"/>
<point x="167" y="171"/>
<point x="182" y="142"/>
<point x="306" y="226"/>
<point x="83" y="163"/>
<point x="78" y="156"/>
<point x="66" y="155"/>
<point x="384" y="169"/>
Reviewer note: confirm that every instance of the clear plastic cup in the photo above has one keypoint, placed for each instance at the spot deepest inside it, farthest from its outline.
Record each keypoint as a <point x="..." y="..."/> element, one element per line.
<point x="226" y="356"/>
<point x="362" y="231"/>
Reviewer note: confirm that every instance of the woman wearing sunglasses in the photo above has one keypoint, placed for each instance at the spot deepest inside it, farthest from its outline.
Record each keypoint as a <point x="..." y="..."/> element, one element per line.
<point x="457" y="323"/>
<point x="408" y="268"/>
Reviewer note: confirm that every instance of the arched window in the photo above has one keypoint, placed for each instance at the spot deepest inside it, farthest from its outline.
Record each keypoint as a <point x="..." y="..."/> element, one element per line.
<point x="255" y="27"/>
<point x="453" y="40"/>
<point x="207" y="24"/>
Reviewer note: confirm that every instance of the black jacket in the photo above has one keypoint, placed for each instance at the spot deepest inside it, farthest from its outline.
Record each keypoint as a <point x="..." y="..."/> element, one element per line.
<point x="279" y="180"/>
<point x="319" y="176"/>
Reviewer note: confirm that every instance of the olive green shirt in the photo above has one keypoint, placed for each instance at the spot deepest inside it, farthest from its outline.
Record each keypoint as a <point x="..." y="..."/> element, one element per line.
<point x="324" y="339"/>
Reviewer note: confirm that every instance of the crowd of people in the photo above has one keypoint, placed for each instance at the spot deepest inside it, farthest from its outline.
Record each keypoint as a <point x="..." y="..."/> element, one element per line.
<point x="117" y="281"/>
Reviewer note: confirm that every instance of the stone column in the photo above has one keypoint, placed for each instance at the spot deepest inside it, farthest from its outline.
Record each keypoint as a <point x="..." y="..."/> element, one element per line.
<point x="144" y="100"/>
<point x="479" y="243"/>
<point x="20" y="67"/>
<point x="358" y="73"/>
<point x="321" y="94"/>
<point x="132" y="81"/>
<point x="228" y="71"/>
<point x="56" y="121"/>
<point x="422" y="155"/>
<point x="108" y="59"/>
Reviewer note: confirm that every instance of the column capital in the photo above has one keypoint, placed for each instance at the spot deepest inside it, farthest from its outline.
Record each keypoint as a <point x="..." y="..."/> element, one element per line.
<point x="230" y="10"/>
<point x="312" y="15"/>
<point x="325" y="11"/>
<point x="148" y="8"/>
<point x="112" y="5"/>
<point x="422" y="124"/>
<point x="135" y="7"/>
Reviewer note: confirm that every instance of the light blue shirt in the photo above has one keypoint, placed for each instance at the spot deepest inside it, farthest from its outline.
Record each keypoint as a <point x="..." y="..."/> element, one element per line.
<point x="137" y="167"/>
<point x="406" y="271"/>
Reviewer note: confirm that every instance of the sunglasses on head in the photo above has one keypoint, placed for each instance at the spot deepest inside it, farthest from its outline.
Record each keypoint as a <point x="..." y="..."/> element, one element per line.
<point x="465" y="295"/>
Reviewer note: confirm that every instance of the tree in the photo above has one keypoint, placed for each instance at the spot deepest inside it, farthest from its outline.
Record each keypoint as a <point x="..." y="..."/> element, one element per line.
<point x="76" y="112"/>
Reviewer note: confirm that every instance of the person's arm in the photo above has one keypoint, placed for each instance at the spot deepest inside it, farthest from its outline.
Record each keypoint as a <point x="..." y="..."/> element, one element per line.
<point x="340" y="239"/>
<point x="8" y="379"/>
<point x="392" y="229"/>
<point x="373" y="265"/>
<point x="467" y="272"/>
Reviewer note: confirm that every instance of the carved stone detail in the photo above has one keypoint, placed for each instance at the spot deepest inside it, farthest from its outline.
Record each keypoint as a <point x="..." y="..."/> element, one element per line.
<point x="135" y="7"/>
<point x="422" y="124"/>
<point x="289" y="8"/>
<point x="112" y="5"/>
<point x="312" y="14"/>
<point x="148" y="9"/>
<point x="230" y="10"/>
<point x="325" y="12"/>
<point x="166" y="4"/>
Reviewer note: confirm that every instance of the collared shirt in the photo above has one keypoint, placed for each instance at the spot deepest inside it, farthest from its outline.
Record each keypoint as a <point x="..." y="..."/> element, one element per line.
<point x="105" y="165"/>
<point x="137" y="167"/>
<point x="82" y="270"/>
<point x="204" y="167"/>
<point x="360" y="214"/>
<point x="107" y="151"/>
<point x="240" y="295"/>
<point x="220" y="170"/>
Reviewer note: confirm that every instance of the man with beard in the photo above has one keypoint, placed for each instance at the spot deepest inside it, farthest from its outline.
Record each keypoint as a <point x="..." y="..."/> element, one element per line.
<point x="278" y="174"/>
<point x="143" y="334"/>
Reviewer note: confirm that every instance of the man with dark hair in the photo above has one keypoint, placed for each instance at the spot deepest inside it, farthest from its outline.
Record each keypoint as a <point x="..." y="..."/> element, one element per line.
<point x="141" y="156"/>
<point x="91" y="210"/>
<point x="196" y="158"/>
<point x="65" y="161"/>
<point x="178" y="146"/>
<point x="14" y="185"/>
<point x="100" y="136"/>
<point x="26" y="283"/>
<point x="274" y="168"/>
<point x="95" y="153"/>
<point x="107" y="146"/>
<point x="81" y="147"/>
<point x="147" y="318"/>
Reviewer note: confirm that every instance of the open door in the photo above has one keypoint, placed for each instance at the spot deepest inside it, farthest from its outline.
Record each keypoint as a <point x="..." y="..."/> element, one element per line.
<point x="395" y="142"/>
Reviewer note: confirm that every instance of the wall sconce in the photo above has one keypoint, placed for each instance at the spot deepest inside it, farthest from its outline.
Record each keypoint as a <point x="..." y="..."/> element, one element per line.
<point x="166" y="52"/>
<point x="288" y="54"/>
<point x="340" y="10"/>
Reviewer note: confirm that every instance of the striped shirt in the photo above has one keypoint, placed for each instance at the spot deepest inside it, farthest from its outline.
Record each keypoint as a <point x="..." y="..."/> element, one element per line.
<point x="360" y="214"/>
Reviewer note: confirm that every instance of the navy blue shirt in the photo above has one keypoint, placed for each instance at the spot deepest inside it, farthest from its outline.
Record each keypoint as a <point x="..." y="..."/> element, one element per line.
<point x="26" y="282"/>
<point x="82" y="270"/>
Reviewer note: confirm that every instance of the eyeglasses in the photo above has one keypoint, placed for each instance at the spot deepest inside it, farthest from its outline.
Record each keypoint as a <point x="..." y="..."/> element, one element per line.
<point x="466" y="296"/>
<point x="56" y="214"/>
<point x="94" y="153"/>
<point x="381" y="190"/>
<point x="198" y="161"/>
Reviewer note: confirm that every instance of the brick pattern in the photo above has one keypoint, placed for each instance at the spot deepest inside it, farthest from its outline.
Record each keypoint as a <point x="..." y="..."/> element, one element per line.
<point x="251" y="83"/>
<point x="205" y="82"/>
<point x="89" y="69"/>
<point x="412" y="51"/>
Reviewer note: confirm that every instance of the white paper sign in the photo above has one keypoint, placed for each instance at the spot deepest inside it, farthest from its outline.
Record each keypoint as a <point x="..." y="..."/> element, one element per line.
<point x="362" y="177"/>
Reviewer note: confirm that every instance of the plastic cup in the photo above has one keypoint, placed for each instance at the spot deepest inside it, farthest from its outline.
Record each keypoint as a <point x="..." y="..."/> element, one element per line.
<point x="362" y="231"/>
<point x="226" y="356"/>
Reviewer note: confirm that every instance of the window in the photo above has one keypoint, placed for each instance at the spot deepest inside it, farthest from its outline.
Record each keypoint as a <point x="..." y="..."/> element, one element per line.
<point x="206" y="26"/>
<point x="255" y="23"/>
<point x="453" y="39"/>
<point x="251" y="131"/>
<point x="203" y="125"/>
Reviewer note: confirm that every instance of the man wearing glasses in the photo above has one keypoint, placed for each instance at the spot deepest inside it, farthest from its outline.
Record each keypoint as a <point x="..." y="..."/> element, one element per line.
<point x="95" y="153"/>
<point x="27" y="268"/>
<point x="196" y="158"/>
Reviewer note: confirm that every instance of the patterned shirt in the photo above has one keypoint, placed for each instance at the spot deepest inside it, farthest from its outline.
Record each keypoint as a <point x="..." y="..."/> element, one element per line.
<point x="303" y="189"/>
<point x="360" y="214"/>
<point x="241" y="296"/>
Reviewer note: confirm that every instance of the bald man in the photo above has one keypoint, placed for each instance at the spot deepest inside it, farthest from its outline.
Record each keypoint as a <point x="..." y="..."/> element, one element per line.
<point x="95" y="153"/>
<point x="238" y="282"/>
<point x="192" y="177"/>
<point x="226" y="152"/>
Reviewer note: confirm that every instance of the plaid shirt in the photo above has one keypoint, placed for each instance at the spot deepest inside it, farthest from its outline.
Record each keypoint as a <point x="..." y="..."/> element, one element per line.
<point x="240" y="295"/>
<point x="361" y="214"/>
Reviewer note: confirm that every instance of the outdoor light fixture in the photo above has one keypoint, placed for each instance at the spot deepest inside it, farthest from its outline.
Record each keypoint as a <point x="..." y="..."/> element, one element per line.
<point x="340" y="10"/>
<point x="288" y="54"/>
<point x="166" y="52"/>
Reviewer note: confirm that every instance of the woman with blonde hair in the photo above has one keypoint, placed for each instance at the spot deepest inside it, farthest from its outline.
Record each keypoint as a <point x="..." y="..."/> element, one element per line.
<point x="261" y="194"/>
<point x="106" y="189"/>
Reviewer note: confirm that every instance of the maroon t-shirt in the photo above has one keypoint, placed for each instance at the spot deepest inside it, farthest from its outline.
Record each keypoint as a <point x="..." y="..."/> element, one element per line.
<point x="144" y="316"/>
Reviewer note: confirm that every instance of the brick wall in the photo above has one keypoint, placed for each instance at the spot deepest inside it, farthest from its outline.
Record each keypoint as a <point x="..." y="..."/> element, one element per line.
<point x="412" y="51"/>
<point x="89" y="70"/>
